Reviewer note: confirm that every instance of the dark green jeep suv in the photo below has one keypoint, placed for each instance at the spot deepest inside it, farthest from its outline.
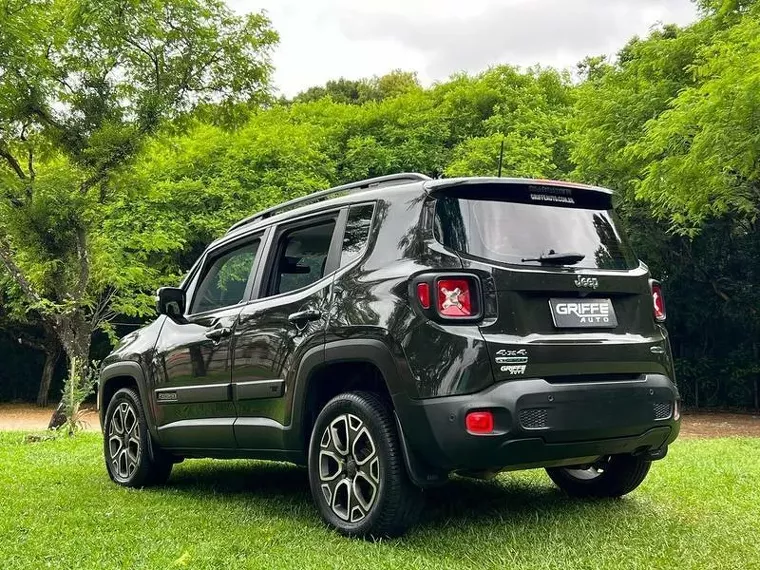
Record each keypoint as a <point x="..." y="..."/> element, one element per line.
<point x="391" y="332"/>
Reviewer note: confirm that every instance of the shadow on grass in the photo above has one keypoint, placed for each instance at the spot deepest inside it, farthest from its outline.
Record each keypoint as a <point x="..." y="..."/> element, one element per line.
<point x="462" y="504"/>
<point x="239" y="477"/>
<point x="471" y="502"/>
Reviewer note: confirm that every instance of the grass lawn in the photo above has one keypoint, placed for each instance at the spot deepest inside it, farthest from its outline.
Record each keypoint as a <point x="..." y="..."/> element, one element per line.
<point x="699" y="508"/>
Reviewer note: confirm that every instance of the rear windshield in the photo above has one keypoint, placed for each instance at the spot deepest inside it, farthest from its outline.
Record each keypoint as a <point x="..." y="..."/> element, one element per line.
<point x="509" y="232"/>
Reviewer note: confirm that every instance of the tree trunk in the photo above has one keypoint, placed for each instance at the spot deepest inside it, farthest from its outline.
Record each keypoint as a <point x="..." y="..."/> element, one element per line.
<point x="75" y="335"/>
<point x="51" y="359"/>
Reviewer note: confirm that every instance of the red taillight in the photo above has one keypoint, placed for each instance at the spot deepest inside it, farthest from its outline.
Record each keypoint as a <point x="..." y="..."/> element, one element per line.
<point x="658" y="303"/>
<point x="423" y="295"/>
<point x="479" y="422"/>
<point x="448" y="297"/>
<point x="454" y="298"/>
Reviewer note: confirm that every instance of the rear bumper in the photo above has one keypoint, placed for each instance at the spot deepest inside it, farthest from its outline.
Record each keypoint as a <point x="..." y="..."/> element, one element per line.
<point x="538" y="423"/>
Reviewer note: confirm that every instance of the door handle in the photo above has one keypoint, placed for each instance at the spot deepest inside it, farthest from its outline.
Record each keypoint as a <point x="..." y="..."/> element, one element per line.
<point x="305" y="316"/>
<point x="218" y="333"/>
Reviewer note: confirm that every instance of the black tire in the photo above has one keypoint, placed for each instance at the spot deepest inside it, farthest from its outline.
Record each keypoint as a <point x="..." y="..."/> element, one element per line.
<point x="614" y="476"/>
<point x="130" y="461"/>
<point x="364" y="492"/>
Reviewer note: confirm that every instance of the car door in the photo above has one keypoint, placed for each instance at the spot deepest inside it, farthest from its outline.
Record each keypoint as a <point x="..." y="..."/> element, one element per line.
<point x="277" y="329"/>
<point x="193" y="399"/>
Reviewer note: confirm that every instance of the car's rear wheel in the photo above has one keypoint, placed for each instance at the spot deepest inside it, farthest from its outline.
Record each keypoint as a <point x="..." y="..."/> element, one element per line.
<point x="356" y="469"/>
<point x="612" y="476"/>
<point x="127" y="444"/>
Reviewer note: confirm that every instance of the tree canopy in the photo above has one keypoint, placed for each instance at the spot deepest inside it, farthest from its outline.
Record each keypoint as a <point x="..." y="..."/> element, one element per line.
<point x="83" y="84"/>
<point x="130" y="138"/>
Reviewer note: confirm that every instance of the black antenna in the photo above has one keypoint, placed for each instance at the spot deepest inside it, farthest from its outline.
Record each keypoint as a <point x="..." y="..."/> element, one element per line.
<point x="501" y="156"/>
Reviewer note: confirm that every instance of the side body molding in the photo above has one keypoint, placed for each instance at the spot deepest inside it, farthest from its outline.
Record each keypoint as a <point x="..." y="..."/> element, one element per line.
<point x="131" y="369"/>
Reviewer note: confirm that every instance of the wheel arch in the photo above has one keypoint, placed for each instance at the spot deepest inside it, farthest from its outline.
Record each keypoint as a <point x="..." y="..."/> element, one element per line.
<point x="340" y="356"/>
<point x="119" y="375"/>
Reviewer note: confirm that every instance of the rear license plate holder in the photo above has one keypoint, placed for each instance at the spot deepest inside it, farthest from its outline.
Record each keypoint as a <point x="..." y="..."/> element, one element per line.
<point x="583" y="313"/>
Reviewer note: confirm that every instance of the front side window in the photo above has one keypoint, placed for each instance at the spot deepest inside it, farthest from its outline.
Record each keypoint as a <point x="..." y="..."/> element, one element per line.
<point x="357" y="232"/>
<point x="225" y="279"/>
<point x="301" y="257"/>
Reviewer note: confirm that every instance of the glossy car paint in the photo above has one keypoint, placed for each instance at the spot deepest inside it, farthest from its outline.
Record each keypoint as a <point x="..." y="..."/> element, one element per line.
<point x="434" y="370"/>
<point x="193" y="370"/>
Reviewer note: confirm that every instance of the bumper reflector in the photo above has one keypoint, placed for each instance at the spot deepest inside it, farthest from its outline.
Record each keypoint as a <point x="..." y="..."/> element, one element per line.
<point x="479" y="423"/>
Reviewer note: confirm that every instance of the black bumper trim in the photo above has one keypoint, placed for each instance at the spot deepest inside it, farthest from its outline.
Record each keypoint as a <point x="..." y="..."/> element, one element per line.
<point x="580" y="421"/>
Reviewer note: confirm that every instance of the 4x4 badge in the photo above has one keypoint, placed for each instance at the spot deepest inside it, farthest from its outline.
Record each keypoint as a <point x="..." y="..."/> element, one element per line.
<point x="589" y="282"/>
<point x="515" y="361"/>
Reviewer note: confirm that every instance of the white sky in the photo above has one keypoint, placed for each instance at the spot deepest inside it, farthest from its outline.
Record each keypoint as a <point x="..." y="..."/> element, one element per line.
<point x="328" y="39"/>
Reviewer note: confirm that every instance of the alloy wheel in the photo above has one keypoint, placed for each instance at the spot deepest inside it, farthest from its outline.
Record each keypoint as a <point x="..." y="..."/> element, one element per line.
<point x="124" y="441"/>
<point x="349" y="468"/>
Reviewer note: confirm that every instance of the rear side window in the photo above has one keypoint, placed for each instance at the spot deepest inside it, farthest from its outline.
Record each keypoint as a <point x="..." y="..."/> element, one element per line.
<point x="357" y="232"/>
<point x="511" y="232"/>
<point x="301" y="257"/>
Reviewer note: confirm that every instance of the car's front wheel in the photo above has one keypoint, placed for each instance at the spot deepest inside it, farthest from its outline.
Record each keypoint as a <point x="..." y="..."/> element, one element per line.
<point x="356" y="469"/>
<point x="612" y="476"/>
<point x="126" y="444"/>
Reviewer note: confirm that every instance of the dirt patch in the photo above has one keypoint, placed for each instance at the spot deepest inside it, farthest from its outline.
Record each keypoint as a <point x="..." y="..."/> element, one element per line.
<point x="26" y="417"/>
<point x="719" y="424"/>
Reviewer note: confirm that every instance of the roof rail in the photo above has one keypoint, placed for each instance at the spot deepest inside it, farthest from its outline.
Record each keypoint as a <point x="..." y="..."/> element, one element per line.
<point x="389" y="180"/>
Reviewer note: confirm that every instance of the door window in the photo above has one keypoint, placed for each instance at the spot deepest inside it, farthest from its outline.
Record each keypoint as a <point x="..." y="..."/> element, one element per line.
<point x="301" y="257"/>
<point x="226" y="278"/>
<point x="357" y="232"/>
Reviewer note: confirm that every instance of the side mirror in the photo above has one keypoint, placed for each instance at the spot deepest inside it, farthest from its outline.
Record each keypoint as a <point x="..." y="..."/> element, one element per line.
<point x="170" y="301"/>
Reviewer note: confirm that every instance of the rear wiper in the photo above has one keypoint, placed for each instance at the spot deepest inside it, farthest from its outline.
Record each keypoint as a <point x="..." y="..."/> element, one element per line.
<point x="568" y="258"/>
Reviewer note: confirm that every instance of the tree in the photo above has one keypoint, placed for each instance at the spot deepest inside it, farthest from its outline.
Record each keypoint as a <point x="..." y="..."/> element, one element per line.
<point x="388" y="86"/>
<point x="703" y="173"/>
<point x="186" y="189"/>
<point x="672" y="125"/>
<point x="528" y="112"/>
<point x="360" y="91"/>
<point x="83" y="83"/>
<point x="339" y="90"/>
<point x="704" y="148"/>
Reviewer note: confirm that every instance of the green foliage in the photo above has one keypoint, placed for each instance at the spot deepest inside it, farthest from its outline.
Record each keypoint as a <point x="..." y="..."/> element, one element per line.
<point x="528" y="112"/>
<point x="357" y="92"/>
<point x="83" y="84"/>
<point x="672" y="125"/>
<point x="119" y="164"/>
<point x="186" y="190"/>
<point x="703" y="152"/>
<point x="79" y="385"/>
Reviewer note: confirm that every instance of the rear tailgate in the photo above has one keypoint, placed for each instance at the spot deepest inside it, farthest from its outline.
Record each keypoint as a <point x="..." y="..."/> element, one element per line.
<point x="587" y="319"/>
<point x="525" y="327"/>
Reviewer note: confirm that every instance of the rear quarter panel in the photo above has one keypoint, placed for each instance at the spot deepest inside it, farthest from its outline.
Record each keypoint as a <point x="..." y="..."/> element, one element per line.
<point x="372" y="301"/>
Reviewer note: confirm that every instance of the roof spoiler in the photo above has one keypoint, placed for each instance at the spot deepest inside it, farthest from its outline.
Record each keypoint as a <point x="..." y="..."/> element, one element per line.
<point x="523" y="190"/>
<point x="443" y="184"/>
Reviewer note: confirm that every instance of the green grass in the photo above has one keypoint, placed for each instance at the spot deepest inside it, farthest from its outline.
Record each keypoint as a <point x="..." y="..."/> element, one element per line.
<point x="699" y="508"/>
